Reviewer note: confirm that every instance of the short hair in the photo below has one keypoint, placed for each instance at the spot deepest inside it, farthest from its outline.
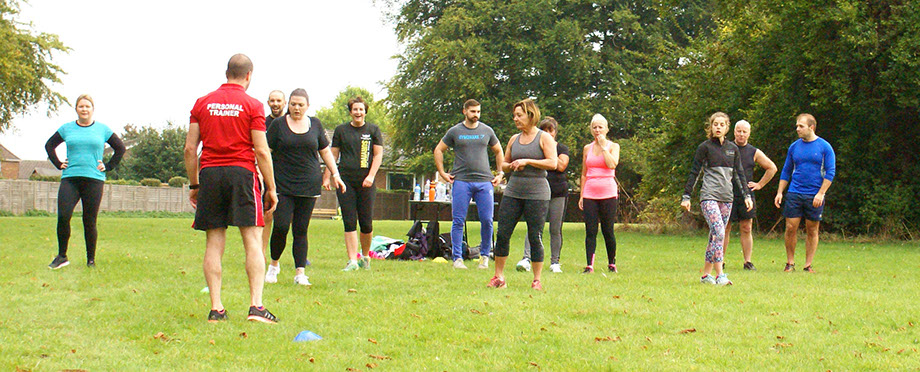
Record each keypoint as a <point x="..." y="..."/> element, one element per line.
<point x="360" y="100"/>
<point x="809" y="119"/>
<point x="86" y="97"/>
<point x="470" y="103"/>
<point x="300" y="92"/>
<point x="239" y="66"/>
<point x="548" y="123"/>
<point x="598" y="118"/>
<point x="275" y="91"/>
<point x="742" y="122"/>
<point x="712" y="119"/>
<point x="530" y="108"/>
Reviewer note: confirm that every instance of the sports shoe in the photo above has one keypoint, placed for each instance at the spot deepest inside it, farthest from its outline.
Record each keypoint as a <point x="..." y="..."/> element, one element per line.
<point x="612" y="268"/>
<point x="217" y="316"/>
<point x="271" y="274"/>
<point x="722" y="279"/>
<point x="588" y="270"/>
<point x="708" y="279"/>
<point x="789" y="267"/>
<point x="808" y="269"/>
<point x="483" y="262"/>
<point x="749" y="266"/>
<point x="91" y="264"/>
<point x="536" y="285"/>
<point x="458" y="264"/>
<point x="523" y="265"/>
<point x="365" y="263"/>
<point x="351" y="266"/>
<point x="302" y="280"/>
<point x="496" y="282"/>
<point x="58" y="262"/>
<point x="556" y="268"/>
<point x="263" y="315"/>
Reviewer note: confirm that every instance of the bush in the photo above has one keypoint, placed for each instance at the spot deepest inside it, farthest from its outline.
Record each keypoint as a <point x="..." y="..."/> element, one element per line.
<point x="5" y="213"/>
<point x="123" y="182"/>
<point x="36" y="177"/>
<point x="151" y="182"/>
<point x="177" y="181"/>
<point x="37" y="213"/>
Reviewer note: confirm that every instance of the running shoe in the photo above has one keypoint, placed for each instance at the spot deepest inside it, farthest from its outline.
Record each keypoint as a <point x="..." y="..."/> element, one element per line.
<point x="261" y="315"/>
<point x="722" y="279"/>
<point x="588" y="270"/>
<point x="612" y="268"/>
<point x="808" y="269"/>
<point x="789" y="267"/>
<point x="271" y="274"/>
<point x="749" y="266"/>
<point x="302" y="280"/>
<point x="523" y="265"/>
<point x="536" y="285"/>
<point x="708" y="279"/>
<point x="58" y="262"/>
<point x="91" y="264"/>
<point x="365" y="263"/>
<point x="556" y="268"/>
<point x="497" y="282"/>
<point x="458" y="264"/>
<point x="483" y="262"/>
<point x="217" y="316"/>
<point x="351" y="266"/>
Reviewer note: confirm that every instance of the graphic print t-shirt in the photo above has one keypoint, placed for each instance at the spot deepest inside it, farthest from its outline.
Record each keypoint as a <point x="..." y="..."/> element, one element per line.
<point x="471" y="151"/>
<point x="226" y="118"/>
<point x="356" y="148"/>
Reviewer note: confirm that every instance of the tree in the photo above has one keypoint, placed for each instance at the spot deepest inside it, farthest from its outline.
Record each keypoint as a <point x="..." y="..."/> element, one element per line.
<point x="25" y="66"/>
<point x="337" y="113"/>
<point x="153" y="153"/>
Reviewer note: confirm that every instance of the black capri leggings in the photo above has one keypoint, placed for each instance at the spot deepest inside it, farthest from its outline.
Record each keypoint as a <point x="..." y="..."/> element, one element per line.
<point x="534" y="214"/>
<point x="357" y="203"/>
<point x="72" y="190"/>
<point x="605" y="212"/>
<point x="293" y="213"/>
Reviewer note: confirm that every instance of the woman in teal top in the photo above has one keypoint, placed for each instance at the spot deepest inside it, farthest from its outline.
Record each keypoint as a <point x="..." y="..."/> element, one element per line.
<point x="83" y="175"/>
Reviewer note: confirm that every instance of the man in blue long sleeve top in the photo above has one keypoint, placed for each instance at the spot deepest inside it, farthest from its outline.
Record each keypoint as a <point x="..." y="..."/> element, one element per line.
<point x="809" y="170"/>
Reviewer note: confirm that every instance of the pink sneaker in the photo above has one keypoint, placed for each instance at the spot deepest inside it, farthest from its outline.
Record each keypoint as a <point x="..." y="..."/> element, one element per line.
<point x="497" y="282"/>
<point x="536" y="285"/>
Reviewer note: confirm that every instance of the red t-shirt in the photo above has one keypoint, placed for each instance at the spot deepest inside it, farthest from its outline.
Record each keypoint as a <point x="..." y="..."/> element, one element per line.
<point x="226" y="118"/>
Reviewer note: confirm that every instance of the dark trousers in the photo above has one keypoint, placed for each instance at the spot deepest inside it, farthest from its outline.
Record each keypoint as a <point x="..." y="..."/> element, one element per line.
<point x="293" y="212"/>
<point x="533" y="212"/>
<point x="603" y="211"/>
<point x="72" y="190"/>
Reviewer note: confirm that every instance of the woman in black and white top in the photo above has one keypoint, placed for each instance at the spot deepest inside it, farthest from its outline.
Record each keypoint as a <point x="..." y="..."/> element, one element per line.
<point x="295" y="140"/>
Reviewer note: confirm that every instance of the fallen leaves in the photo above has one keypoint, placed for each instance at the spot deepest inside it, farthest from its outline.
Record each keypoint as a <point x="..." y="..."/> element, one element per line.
<point x="373" y="341"/>
<point x="474" y="311"/>
<point x="686" y="331"/>
<point x="371" y="365"/>
<point x="212" y="342"/>
<point x="607" y="339"/>
<point x="534" y="364"/>
<point x="352" y="290"/>
<point x="243" y="335"/>
<point x="161" y="336"/>
<point x="380" y="357"/>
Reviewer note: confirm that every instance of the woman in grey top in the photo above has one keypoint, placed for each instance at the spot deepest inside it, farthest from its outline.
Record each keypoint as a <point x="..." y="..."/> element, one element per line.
<point x="528" y="155"/>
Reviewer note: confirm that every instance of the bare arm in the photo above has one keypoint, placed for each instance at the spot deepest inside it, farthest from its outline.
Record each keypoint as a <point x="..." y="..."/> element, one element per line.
<point x="329" y="160"/>
<point x="499" y="164"/>
<point x="764" y="162"/>
<point x="584" y="176"/>
<point x="439" y="162"/>
<point x="612" y="156"/>
<point x="327" y="173"/>
<point x="819" y="197"/>
<point x="264" y="157"/>
<point x="778" y="200"/>
<point x="506" y="164"/>
<point x="190" y="153"/>
<point x="549" y="160"/>
<point x="563" y="163"/>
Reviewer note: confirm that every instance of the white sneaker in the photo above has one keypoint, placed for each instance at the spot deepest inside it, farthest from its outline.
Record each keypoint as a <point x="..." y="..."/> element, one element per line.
<point x="556" y="268"/>
<point x="271" y="275"/>
<point x="302" y="280"/>
<point x="523" y="265"/>
<point x="458" y="264"/>
<point x="484" y="262"/>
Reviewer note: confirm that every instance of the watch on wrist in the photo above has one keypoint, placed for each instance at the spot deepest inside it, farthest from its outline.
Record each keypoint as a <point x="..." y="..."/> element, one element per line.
<point x="193" y="187"/>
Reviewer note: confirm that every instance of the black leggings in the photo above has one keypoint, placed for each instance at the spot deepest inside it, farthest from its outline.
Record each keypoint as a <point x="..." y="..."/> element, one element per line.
<point x="606" y="209"/>
<point x="534" y="214"/>
<point x="357" y="203"/>
<point x="72" y="190"/>
<point x="293" y="212"/>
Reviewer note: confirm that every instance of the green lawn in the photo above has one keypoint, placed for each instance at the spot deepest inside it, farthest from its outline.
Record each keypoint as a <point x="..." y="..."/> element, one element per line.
<point x="859" y="312"/>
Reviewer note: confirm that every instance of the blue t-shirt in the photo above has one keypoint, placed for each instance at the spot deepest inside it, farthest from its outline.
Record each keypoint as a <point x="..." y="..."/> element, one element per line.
<point x="807" y="165"/>
<point x="84" y="149"/>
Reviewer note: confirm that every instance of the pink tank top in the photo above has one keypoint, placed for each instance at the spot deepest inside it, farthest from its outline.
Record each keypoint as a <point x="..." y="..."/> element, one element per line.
<point x="599" y="180"/>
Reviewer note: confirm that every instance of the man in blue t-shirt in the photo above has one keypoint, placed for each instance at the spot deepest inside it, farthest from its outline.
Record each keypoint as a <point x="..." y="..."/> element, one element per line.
<point x="809" y="170"/>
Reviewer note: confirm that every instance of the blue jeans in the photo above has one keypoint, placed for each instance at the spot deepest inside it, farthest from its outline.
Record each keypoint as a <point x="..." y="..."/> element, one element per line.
<point x="461" y="194"/>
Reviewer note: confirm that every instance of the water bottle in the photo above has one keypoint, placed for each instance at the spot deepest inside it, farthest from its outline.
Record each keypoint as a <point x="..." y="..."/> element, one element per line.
<point x="417" y="193"/>
<point x="441" y="192"/>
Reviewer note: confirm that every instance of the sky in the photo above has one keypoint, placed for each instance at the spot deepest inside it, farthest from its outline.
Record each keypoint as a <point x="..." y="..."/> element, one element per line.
<point x="146" y="62"/>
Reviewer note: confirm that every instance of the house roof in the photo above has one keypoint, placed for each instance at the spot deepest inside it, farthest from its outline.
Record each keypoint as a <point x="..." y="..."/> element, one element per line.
<point x="7" y="155"/>
<point x="42" y="167"/>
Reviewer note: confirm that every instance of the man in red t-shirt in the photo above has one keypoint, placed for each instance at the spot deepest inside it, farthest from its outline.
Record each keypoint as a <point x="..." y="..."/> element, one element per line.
<point x="230" y="126"/>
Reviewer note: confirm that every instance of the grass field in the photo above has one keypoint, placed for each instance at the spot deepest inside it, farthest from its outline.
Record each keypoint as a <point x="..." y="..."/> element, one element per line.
<point x="141" y="308"/>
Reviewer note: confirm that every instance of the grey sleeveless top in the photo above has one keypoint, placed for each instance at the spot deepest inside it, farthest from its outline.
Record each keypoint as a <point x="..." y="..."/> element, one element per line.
<point x="529" y="183"/>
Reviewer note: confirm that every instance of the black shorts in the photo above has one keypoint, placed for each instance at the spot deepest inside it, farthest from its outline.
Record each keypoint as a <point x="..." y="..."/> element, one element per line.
<point x="229" y="196"/>
<point x="740" y="212"/>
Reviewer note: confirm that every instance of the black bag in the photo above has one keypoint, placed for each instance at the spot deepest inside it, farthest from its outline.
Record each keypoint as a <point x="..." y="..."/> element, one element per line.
<point x="467" y="252"/>
<point x="431" y="239"/>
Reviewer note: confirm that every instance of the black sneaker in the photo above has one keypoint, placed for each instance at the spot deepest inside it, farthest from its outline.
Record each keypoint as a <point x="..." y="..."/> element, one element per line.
<point x="749" y="266"/>
<point x="59" y="262"/>
<point x="91" y="264"/>
<point x="263" y="315"/>
<point x="217" y="316"/>
<point x="789" y="268"/>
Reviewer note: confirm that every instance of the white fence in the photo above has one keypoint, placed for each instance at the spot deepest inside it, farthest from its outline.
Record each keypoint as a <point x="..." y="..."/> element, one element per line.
<point x="18" y="196"/>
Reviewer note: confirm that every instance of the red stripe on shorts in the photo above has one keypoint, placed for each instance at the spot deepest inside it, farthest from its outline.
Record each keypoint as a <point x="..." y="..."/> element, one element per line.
<point x="257" y="193"/>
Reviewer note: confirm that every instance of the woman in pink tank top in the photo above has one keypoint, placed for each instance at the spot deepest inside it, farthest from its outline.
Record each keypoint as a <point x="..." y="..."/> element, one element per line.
<point x="599" y="192"/>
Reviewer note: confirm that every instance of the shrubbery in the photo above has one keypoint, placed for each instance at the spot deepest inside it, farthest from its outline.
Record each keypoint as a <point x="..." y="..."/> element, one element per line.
<point x="177" y="181"/>
<point x="151" y="182"/>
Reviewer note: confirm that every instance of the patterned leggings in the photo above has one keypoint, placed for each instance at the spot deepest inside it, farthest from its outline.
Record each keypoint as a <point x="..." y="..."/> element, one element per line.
<point x="716" y="214"/>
